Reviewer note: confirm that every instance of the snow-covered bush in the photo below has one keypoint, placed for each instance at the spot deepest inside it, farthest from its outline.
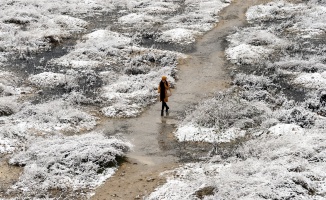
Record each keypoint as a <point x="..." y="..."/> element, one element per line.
<point x="280" y="10"/>
<point x="61" y="163"/>
<point x="50" y="79"/>
<point x="7" y="145"/>
<point x="316" y="102"/>
<point x="178" y="35"/>
<point x="30" y="26"/>
<point x="27" y="121"/>
<point x="252" y="81"/>
<point x="55" y="115"/>
<point x="280" y="165"/>
<point x="307" y="19"/>
<point x="174" y="21"/>
<point x="220" y="119"/>
<point x="9" y="84"/>
<point x="253" y="45"/>
<point x="311" y="80"/>
<point x="310" y="63"/>
<point x="98" y="48"/>
<point x="47" y="117"/>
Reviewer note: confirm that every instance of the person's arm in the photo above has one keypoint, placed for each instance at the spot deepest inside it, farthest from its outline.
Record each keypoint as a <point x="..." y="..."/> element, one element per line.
<point x="169" y="88"/>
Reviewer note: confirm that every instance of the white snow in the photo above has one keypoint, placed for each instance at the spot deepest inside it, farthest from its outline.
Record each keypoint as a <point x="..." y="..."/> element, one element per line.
<point x="290" y="129"/>
<point x="253" y="45"/>
<point x="311" y="80"/>
<point x="49" y="117"/>
<point x="211" y="135"/>
<point x="9" y="84"/>
<point x="107" y="38"/>
<point x="247" y="54"/>
<point x="192" y="17"/>
<point x="273" y="10"/>
<point x="50" y="79"/>
<point x="139" y="19"/>
<point x="178" y="35"/>
<point x="277" y="166"/>
<point x="308" y="18"/>
<point x="27" y="26"/>
<point x="73" y="163"/>
<point x="7" y="146"/>
<point x="121" y="110"/>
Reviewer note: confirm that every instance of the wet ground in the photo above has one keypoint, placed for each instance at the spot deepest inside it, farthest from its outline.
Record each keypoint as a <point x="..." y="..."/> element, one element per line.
<point x="155" y="147"/>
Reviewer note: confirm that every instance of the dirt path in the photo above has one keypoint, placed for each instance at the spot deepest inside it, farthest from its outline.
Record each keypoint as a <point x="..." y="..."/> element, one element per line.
<point x="155" y="148"/>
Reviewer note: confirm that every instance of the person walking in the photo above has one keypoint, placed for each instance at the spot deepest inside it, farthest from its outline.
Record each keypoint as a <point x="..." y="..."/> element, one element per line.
<point x="165" y="92"/>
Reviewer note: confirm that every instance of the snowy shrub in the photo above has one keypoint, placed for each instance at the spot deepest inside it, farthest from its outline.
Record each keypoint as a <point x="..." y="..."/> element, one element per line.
<point x="121" y="110"/>
<point x="198" y="16"/>
<point x="30" y="26"/>
<point x="260" y="95"/>
<point x="180" y="21"/>
<point x="60" y="163"/>
<point x="51" y="80"/>
<point x="142" y="20"/>
<point x="247" y="54"/>
<point x="227" y="111"/>
<point x="281" y="129"/>
<point x="253" y="45"/>
<point x="9" y="84"/>
<point x="296" y="63"/>
<point x="252" y="81"/>
<point x="311" y="80"/>
<point x="158" y="8"/>
<point x="77" y="98"/>
<point x="316" y="102"/>
<point x="272" y="11"/>
<point x="273" y="166"/>
<point x="9" y="105"/>
<point x="220" y="119"/>
<point x="307" y="19"/>
<point x="190" y="132"/>
<point x="178" y="36"/>
<point x="7" y="146"/>
<point x="297" y="115"/>
<point x="97" y="48"/>
<point x="51" y="117"/>
<point x="255" y="87"/>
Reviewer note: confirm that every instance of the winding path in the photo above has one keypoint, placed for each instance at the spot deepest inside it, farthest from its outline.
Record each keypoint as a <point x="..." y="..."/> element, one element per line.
<point x="155" y="149"/>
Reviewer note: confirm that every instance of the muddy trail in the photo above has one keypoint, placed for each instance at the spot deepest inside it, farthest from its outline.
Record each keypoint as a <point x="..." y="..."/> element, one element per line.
<point x="156" y="150"/>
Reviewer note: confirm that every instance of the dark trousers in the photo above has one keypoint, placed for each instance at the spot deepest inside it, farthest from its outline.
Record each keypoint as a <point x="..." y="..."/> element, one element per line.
<point x="164" y="105"/>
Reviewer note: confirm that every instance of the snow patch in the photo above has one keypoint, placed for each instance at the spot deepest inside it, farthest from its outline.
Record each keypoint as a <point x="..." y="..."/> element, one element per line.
<point x="200" y="134"/>
<point x="281" y="129"/>
<point x="75" y="162"/>
<point x="311" y="80"/>
<point x="178" y="36"/>
<point x="50" y="79"/>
